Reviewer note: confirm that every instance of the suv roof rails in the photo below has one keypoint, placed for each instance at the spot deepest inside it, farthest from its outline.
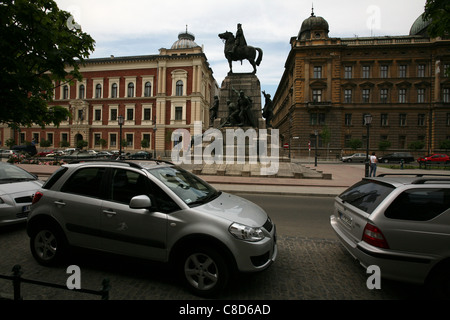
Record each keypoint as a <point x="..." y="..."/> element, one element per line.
<point x="131" y="164"/>
<point x="413" y="174"/>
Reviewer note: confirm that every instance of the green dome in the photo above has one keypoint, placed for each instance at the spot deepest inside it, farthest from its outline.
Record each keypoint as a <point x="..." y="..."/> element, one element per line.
<point x="419" y="27"/>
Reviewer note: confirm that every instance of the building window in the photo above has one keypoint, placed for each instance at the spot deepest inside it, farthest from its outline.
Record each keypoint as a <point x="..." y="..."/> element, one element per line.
<point x="420" y="95"/>
<point x="384" y="120"/>
<point x="130" y="114"/>
<point x="402" y="119"/>
<point x="147" y="114"/>
<point x="97" y="115"/>
<point x="113" y="114"/>
<point x="384" y="71"/>
<point x="148" y="89"/>
<point x="402" y="71"/>
<point x="66" y="92"/>
<point x="98" y="90"/>
<point x="347" y="139"/>
<point x="402" y="96"/>
<point x="97" y="138"/>
<point x="114" y="90"/>
<point x="348" y="119"/>
<point x="402" y="142"/>
<point x="317" y="95"/>
<point x="81" y="91"/>
<point x="366" y="72"/>
<point x="129" y="138"/>
<point x="317" y="118"/>
<point x="421" y="119"/>
<point x="113" y="139"/>
<point x="50" y="138"/>
<point x="347" y="95"/>
<point x="448" y="119"/>
<point x="317" y="72"/>
<point x="384" y="95"/>
<point x="179" y="88"/>
<point x="178" y="113"/>
<point x="64" y="137"/>
<point x="348" y="74"/>
<point x="130" y="92"/>
<point x="36" y="137"/>
<point x="446" y="70"/>
<point x="421" y="70"/>
<point x="446" y="95"/>
<point x="366" y="95"/>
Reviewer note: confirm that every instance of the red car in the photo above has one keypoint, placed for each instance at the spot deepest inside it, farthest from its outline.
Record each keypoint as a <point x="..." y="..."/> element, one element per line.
<point x="43" y="153"/>
<point x="435" y="158"/>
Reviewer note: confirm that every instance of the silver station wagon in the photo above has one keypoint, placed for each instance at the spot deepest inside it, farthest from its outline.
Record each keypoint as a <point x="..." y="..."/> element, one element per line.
<point x="401" y="224"/>
<point x="152" y="210"/>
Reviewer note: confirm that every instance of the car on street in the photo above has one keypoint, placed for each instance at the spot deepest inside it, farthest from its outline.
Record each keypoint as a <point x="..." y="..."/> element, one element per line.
<point x="399" y="223"/>
<point x="156" y="211"/>
<point x="7" y="153"/>
<point x="140" y="155"/>
<point x="434" y="159"/>
<point x="396" y="157"/>
<point x="78" y="155"/>
<point x="356" y="157"/>
<point x="44" y="153"/>
<point x="17" y="187"/>
<point x="56" y="153"/>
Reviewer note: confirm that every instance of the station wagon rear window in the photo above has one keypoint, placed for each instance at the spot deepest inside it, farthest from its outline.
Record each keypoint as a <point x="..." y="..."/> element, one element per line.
<point x="366" y="195"/>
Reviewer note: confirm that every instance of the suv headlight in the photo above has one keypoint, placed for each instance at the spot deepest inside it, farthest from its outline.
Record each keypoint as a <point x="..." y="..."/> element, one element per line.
<point x="246" y="233"/>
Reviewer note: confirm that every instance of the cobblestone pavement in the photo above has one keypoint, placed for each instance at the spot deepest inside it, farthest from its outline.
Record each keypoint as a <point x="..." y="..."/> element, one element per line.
<point x="306" y="269"/>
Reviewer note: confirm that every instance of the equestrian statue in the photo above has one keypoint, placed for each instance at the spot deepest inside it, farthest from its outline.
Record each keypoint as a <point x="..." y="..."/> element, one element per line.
<point x="236" y="49"/>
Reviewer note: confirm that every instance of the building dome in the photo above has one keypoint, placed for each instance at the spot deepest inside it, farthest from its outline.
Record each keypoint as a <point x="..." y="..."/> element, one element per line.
<point x="419" y="27"/>
<point x="313" y="27"/>
<point x="185" y="41"/>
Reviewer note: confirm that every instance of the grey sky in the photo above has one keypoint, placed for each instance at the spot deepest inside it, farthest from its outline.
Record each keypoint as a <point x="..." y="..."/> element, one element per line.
<point x="141" y="27"/>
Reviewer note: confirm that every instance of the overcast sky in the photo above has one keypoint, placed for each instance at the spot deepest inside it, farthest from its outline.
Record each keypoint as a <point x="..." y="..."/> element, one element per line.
<point x="142" y="27"/>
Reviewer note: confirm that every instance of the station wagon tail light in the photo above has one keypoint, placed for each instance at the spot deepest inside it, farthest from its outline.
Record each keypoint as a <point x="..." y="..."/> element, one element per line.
<point x="37" y="196"/>
<point x="372" y="235"/>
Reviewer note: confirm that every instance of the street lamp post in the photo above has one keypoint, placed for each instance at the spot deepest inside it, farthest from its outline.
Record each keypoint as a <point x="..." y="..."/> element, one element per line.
<point x="367" y="122"/>
<point x="316" y="133"/>
<point x="154" y="139"/>
<point x="120" y="120"/>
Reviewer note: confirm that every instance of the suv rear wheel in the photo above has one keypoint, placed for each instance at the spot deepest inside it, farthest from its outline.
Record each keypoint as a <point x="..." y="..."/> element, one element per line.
<point x="204" y="271"/>
<point x="47" y="245"/>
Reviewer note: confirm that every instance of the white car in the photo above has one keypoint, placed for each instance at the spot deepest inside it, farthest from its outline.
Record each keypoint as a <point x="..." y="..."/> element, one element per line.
<point x="17" y="188"/>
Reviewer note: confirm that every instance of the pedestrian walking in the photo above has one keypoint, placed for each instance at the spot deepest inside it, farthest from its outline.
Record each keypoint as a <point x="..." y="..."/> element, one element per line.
<point x="373" y="165"/>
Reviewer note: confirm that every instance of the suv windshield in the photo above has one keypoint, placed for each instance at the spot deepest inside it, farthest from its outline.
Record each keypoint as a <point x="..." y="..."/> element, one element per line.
<point x="192" y="190"/>
<point x="366" y="194"/>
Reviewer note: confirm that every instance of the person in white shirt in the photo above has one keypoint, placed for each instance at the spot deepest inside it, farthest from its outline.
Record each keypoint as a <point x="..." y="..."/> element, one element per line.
<point x="373" y="165"/>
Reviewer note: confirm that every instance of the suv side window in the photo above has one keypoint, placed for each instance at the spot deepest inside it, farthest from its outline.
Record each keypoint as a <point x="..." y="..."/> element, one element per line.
<point x="419" y="204"/>
<point x="85" y="182"/>
<point x="127" y="184"/>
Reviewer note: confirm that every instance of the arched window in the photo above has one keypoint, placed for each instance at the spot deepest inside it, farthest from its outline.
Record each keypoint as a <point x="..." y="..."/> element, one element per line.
<point x="179" y="88"/>
<point x="81" y="91"/>
<point x="98" y="90"/>
<point x="66" y="92"/>
<point x="114" y="90"/>
<point x="148" y="89"/>
<point x="131" y="89"/>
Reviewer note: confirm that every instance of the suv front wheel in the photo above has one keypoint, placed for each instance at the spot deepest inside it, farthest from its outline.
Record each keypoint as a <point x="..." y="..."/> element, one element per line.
<point x="47" y="245"/>
<point x="204" y="271"/>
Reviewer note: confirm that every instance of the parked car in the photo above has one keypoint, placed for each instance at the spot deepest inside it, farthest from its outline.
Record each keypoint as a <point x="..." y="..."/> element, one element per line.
<point x="17" y="187"/>
<point x="400" y="224"/>
<point x="140" y="155"/>
<point x="104" y="154"/>
<point x="356" y="157"/>
<point x="434" y="158"/>
<point x="156" y="211"/>
<point x="396" y="157"/>
<point x="77" y="155"/>
<point x="30" y="149"/>
<point x="44" y="153"/>
<point x="7" y="153"/>
<point x="56" y="153"/>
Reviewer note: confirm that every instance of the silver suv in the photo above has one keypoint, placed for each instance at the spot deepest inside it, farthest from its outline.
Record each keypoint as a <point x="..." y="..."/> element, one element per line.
<point x="400" y="224"/>
<point x="151" y="210"/>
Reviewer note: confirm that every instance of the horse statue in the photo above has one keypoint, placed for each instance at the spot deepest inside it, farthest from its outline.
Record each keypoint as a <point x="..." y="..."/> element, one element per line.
<point x="233" y="53"/>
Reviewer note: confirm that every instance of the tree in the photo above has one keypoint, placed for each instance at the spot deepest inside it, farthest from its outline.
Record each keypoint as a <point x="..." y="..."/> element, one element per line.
<point x="438" y="13"/>
<point x="39" y="43"/>
<point x="416" y="145"/>
<point x="145" y="143"/>
<point x="355" y="144"/>
<point x="383" y="145"/>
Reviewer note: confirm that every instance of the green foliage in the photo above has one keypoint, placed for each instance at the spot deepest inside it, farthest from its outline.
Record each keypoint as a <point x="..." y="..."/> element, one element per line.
<point x="145" y="143"/>
<point x="45" y="143"/>
<point x="445" y="144"/>
<point x="438" y="11"/>
<point x="10" y="142"/>
<point x="384" y="145"/>
<point x="355" y="144"/>
<point x="416" y="145"/>
<point x="81" y="144"/>
<point x="36" y="47"/>
<point x="64" y="144"/>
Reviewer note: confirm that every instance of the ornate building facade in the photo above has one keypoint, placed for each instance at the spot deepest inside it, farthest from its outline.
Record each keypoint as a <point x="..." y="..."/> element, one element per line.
<point x="330" y="84"/>
<point x="155" y="94"/>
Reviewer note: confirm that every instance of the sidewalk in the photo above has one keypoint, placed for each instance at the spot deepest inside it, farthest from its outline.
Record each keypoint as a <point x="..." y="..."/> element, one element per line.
<point x="343" y="176"/>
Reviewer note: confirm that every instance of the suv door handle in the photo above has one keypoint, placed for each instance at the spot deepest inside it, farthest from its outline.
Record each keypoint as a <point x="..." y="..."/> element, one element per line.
<point x="59" y="203"/>
<point x="109" y="212"/>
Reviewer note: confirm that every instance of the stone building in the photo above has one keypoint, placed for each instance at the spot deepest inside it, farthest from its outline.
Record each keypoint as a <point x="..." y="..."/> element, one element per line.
<point x="330" y="84"/>
<point x="155" y="94"/>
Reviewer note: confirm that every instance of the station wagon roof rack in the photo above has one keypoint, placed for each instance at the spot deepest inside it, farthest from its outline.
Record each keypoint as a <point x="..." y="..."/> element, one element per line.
<point x="131" y="163"/>
<point x="422" y="177"/>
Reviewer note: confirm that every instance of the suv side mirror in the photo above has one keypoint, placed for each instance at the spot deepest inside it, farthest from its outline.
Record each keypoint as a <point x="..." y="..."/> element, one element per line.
<point x="140" y="202"/>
